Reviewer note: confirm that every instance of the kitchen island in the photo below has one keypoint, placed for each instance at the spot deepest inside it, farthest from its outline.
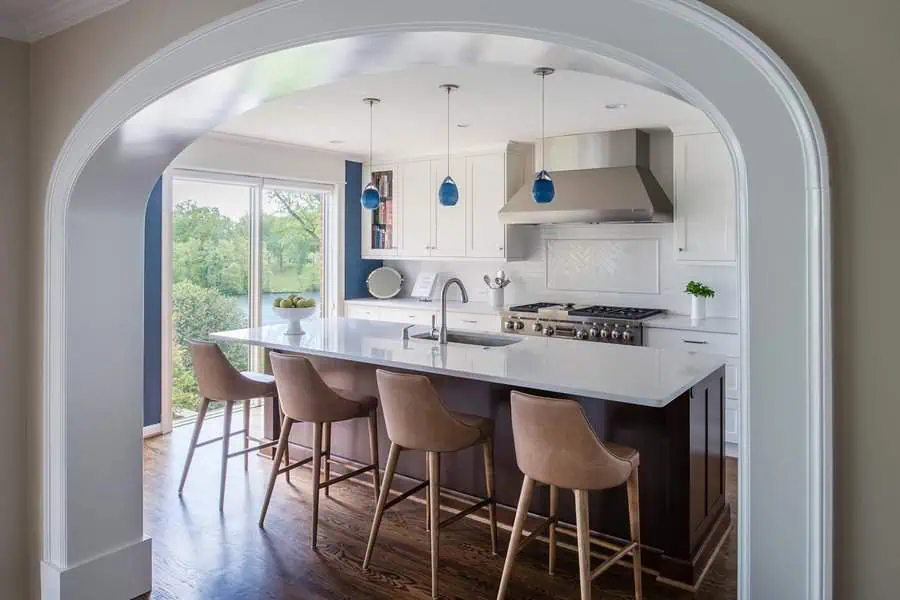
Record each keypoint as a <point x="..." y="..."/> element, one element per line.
<point x="667" y="404"/>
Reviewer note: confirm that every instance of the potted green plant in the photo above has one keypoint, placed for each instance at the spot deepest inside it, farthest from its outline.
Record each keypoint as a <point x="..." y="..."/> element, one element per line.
<point x="699" y="293"/>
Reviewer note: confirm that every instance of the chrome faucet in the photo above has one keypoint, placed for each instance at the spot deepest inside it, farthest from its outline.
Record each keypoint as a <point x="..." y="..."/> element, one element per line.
<point x="465" y="298"/>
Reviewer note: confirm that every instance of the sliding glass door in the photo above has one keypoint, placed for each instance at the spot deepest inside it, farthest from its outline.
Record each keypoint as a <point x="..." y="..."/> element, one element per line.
<point x="236" y="244"/>
<point x="210" y="274"/>
<point x="292" y="232"/>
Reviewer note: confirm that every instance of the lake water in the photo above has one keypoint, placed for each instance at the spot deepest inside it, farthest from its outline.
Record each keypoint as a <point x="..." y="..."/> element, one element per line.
<point x="268" y="315"/>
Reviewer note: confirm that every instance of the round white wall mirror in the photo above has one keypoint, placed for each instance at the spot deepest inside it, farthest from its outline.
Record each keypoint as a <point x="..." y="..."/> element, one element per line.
<point x="384" y="283"/>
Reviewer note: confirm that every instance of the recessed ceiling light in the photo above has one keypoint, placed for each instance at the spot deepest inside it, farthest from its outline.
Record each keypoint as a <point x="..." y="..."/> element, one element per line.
<point x="462" y="125"/>
<point x="616" y="106"/>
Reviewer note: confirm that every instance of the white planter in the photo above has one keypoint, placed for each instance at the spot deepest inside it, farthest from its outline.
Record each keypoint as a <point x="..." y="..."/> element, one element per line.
<point x="698" y="308"/>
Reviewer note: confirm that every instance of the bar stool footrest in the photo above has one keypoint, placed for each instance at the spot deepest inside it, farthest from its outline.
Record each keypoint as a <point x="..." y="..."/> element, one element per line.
<point x="406" y="495"/>
<point x="465" y="512"/>
<point x="612" y="560"/>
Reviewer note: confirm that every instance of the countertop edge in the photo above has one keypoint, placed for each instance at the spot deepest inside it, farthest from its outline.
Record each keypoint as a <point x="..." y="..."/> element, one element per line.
<point x="658" y="402"/>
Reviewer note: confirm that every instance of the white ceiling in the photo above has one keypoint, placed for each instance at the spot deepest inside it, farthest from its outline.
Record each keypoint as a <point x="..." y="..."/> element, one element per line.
<point x="500" y="103"/>
<point x="31" y="20"/>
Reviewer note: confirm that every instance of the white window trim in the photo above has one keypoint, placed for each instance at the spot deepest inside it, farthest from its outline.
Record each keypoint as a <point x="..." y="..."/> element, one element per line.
<point x="333" y="264"/>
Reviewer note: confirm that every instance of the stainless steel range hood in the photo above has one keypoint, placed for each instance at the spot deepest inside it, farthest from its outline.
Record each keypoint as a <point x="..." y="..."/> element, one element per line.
<point x="599" y="178"/>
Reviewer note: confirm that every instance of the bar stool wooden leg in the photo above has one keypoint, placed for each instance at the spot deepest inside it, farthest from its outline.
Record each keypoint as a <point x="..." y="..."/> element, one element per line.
<point x="488" y="448"/>
<point x="634" y="518"/>
<point x="373" y="451"/>
<point x="316" y="478"/>
<point x="554" y="512"/>
<point x="515" y="537"/>
<point x="583" y="525"/>
<point x="246" y="434"/>
<point x="389" y="469"/>
<point x="327" y="457"/>
<point x="286" y="424"/>
<point x="427" y="495"/>
<point x="434" y="486"/>
<point x="226" y="439"/>
<point x="198" y="425"/>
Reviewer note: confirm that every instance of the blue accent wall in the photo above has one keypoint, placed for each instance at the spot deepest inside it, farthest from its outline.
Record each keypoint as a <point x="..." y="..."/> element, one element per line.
<point x="153" y="307"/>
<point x="355" y="268"/>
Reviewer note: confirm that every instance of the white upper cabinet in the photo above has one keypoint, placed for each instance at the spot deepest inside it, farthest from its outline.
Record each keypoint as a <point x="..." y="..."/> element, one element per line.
<point x="705" y="201"/>
<point x="449" y="222"/>
<point x="487" y="195"/>
<point x="421" y="228"/>
<point x="415" y="208"/>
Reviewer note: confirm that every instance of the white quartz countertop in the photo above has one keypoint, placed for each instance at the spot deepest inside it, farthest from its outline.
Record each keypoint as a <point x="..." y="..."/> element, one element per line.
<point x="685" y="323"/>
<point x="634" y="375"/>
<point x="475" y="308"/>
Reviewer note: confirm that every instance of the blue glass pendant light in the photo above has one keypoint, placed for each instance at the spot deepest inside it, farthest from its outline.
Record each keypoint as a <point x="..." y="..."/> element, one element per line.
<point x="543" y="190"/>
<point x="370" y="197"/>
<point x="448" y="193"/>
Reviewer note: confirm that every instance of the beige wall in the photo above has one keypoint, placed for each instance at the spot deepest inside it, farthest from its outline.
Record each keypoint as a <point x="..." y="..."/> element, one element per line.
<point x="13" y="260"/>
<point x="845" y="53"/>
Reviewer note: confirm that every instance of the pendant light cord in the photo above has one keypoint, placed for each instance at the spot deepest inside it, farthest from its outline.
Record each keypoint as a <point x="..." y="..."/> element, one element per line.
<point x="371" y="130"/>
<point x="543" y="133"/>
<point x="449" y="89"/>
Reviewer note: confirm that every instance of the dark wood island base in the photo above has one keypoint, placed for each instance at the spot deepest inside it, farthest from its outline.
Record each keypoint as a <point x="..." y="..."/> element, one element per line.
<point x="684" y="513"/>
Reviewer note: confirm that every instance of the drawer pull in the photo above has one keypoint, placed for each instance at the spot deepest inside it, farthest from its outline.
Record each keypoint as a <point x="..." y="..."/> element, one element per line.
<point x="469" y="321"/>
<point x="695" y="341"/>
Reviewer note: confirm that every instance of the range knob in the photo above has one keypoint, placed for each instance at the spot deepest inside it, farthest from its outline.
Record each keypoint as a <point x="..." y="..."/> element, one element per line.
<point x="537" y="327"/>
<point x="509" y="325"/>
<point x="594" y="332"/>
<point x="519" y="325"/>
<point x="582" y="334"/>
<point x="604" y="332"/>
<point x="628" y="336"/>
<point x="615" y="334"/>
<point x="548" y="330"/>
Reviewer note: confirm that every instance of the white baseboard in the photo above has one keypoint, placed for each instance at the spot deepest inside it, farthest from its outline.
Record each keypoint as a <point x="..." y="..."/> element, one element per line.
<point x="119" y="575"/>
<point x="732" y="450"/>
<point x="152" y="430"/>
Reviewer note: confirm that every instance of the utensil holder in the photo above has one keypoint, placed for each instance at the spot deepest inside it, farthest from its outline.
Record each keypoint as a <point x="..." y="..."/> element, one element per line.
<point x="496" y="297"/>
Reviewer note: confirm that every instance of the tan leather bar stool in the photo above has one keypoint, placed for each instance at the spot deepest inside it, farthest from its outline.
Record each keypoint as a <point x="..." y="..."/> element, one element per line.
<point x="219" y="381"/>
<point x="556" y="445"/>
<point x="304" y="396"/>
<point x="416" y="419"/>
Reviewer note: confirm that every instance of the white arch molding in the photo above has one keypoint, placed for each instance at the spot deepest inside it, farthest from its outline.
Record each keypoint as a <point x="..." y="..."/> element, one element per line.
<point x="93" y="544"/>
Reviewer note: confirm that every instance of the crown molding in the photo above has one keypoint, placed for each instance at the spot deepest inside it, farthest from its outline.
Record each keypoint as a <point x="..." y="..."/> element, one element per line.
<point x="61" y="15"/>
<point x="14" y="31"/>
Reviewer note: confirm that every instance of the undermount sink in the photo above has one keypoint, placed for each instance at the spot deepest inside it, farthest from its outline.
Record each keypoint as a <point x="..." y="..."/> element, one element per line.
<point x="472" y="339"/>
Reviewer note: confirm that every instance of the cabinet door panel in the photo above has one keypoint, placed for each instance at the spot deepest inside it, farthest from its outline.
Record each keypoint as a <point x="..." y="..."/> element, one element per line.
<point x="449" y="237"/>
<point x="415" y="208"/>
<point x="486" y="196"/>
<point x="705" y="208"/>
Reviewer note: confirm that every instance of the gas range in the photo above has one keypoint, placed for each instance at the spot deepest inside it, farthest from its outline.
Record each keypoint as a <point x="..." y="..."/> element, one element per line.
<point x="590" y="323"/>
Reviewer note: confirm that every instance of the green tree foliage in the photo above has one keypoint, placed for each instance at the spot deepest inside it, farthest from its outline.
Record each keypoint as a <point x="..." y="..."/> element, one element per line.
<point x="197" y="312"/>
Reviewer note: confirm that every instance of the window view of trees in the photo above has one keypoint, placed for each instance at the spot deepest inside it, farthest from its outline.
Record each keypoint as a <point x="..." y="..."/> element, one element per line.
<point x="211" y="266"/>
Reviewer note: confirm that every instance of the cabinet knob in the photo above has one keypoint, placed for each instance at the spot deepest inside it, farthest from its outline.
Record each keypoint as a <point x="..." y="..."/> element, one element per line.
<point x="681" y="249"/>
<point x="500" y="248"/>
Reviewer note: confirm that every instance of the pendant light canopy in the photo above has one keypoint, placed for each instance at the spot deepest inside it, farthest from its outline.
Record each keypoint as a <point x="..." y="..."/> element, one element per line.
<point x="543" y="190"/>
<point x="448" y="192"/>
<point x="370" y="197"/>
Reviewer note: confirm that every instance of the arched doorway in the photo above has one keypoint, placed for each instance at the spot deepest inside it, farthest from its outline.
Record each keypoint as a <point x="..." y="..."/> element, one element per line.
<point x="92" y="482"/>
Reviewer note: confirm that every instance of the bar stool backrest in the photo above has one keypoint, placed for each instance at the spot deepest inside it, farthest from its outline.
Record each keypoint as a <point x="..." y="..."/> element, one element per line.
<point x="217" y="379"/>
<point x="555" y="444"/>
<point x="416" y="418"/>
<point x="304" y="396"/>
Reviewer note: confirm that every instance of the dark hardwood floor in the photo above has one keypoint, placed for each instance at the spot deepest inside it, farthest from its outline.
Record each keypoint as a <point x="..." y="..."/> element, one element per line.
<point x="201" y="554"/>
